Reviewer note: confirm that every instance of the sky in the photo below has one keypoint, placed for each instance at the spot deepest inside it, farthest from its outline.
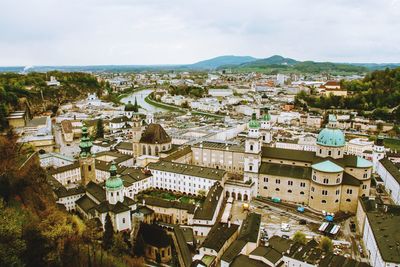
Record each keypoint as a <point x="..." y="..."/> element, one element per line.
<point x="104" y="32"/>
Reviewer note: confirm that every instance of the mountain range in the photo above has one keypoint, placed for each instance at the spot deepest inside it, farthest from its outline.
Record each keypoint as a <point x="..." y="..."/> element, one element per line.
<point x="273" y="64"/>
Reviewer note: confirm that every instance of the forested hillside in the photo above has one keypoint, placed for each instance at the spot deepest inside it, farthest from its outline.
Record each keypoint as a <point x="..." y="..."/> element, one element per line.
<point x="378" y="94"/>
<point x="34" y="231"/>
<point x="17" y="90"/>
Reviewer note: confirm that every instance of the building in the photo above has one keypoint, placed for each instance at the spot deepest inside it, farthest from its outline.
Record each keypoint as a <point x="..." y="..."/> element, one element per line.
<point x="389" y="172"/>
<point x="184" y="178"/>
<point x="378" y="223"/>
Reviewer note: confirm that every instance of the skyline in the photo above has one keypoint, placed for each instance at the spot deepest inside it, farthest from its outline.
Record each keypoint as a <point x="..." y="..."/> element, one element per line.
<point x="123" y="32"/>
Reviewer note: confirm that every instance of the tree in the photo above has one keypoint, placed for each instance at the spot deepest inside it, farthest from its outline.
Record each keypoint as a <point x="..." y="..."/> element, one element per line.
<point x="136" y="106"/>
<point x="326" y="244"/>
<point x="119" y="246"/>
<point x="12" y="245"/>
<point x="108" y="234"/>
<point x="3" y="117"/>
<point x="138" y="249"/>
<point x="99" y="129"/>
<point x="300" y="237"/>
<point x="36" y="247"/>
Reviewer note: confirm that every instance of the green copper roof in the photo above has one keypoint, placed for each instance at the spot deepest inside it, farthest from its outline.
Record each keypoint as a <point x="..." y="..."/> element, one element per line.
<point x="331" y="136"/>
<point x="266" y="117"/>
<point x="327" y="166"/>
<point x="114" y="182"/>
<point x="363" y="163"/>
<point x="86" y="143"/>
<point x="254" y="123"/>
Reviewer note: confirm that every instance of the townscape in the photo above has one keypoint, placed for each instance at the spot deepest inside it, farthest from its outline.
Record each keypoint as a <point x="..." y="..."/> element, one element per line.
<point x="206" y="133"/>
<point x="222" y="169"/>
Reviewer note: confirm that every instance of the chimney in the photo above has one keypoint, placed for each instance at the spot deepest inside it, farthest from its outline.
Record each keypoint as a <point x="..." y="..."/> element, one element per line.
<point x="143" y="202"/>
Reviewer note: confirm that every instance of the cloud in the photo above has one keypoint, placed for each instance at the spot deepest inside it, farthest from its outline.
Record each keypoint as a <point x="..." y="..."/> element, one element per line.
<point x="72" y="32"/>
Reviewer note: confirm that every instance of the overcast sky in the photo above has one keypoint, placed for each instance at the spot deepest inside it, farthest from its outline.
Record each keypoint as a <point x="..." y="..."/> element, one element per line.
<point x="92" y="32"/>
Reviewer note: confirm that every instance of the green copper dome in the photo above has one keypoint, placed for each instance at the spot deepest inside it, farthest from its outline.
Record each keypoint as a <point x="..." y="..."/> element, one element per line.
<point x="254" y="123"/>
<point x="113" y="182"/>
<point x="85" y="144"/>
<point x="266" y="117"/>
<point x="331" y="136"/>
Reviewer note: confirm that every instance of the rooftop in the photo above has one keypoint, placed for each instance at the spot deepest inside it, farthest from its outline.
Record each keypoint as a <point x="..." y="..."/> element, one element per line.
<point x="218" y="235"/>
<point x="186" y="169"/>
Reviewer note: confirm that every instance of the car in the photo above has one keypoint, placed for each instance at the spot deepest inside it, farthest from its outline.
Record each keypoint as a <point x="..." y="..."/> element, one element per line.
<point x="285" y="236"/>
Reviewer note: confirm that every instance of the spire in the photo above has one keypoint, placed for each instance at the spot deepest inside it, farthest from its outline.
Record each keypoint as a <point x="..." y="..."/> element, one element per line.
<point x="114" y="181"/>
<point x="266" y="116"/>
<point x="85" y="143"/>
<point x="136" y="105"/>
<point x="253" y="122"/>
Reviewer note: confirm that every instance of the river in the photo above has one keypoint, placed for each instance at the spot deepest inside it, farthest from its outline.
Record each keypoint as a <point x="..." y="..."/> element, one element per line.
<point x="140" y="96"/>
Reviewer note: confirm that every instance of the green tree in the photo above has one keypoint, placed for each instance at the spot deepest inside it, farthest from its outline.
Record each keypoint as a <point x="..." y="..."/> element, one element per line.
<point x="119" y="246"/>
<point x="12" y="245"/>
<point x="300" y="237"/>
<point x="3" y="117"/>
<point x="138" y="249"/>
<point x="108" y="234"/>
<point x="99" y="129"/>
<point x="36" y="247"/>
<point x="326" y="244"/>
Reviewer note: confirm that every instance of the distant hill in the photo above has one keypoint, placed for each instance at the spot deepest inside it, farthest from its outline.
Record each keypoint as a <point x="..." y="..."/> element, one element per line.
<point x="273" y="64"/>
<point x="216" y="62"/>
<point x="274" y="60"/>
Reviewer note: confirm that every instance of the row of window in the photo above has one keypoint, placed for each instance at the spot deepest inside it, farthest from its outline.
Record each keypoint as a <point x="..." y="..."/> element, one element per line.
<point x="278" y="181"/>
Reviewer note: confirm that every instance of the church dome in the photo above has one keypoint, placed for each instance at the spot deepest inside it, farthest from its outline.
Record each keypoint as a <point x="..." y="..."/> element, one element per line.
<point x="266" y="117"/>
<point x="331" y="136"/>
<point x="114" y="182"/>
<point x="254" y="123"/>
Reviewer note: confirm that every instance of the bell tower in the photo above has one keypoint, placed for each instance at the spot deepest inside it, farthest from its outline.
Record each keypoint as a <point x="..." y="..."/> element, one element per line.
<point x="252" y="156"/>
<point x="86" y="159"/>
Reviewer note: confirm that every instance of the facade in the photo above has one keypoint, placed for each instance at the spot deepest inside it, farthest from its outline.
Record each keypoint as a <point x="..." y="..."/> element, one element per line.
<point x="390" y="174"/>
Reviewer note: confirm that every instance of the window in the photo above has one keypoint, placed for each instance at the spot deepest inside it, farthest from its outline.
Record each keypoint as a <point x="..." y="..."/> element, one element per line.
<point x="337" y="180"/>
<point x="320" y="151"/>
<point x="312" y="189"/>
<point x="365" y="175"/>
<point x="265" y="179"/>
<point x="289" y="191"/>
<point x="250" y="167"/>
<point x="314" y="177"/>
<point x="123" y="220"/>
<point x="338" y="153"/>
<point x="302" y="193"/>
<point x="277" y="181"/>
<point x="302" y="184"/>
<point x="277" y="189"/>
<point x="324" y="192"/>
<point x="251" y="147"/>
<point x="329" y="153"/>
<point x="348" y="200"/>
<point x="290" y="182"/>
<point x="349" y="191"/>
<point x="326" y="181"/>
<point x="90" y="168"/>
<point x="265" y="187"/>
<point x="337" y="192"/>
<point x="337" y="200"/>
<point x="364" y="186"/>
<point x="323" y="201"/>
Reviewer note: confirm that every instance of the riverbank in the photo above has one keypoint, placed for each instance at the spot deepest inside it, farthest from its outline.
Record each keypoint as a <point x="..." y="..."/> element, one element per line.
<point x="174" y="108"/>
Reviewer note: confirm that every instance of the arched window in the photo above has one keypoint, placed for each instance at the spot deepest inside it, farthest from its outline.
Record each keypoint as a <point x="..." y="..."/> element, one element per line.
<point x="301" y="193"/>
<point x="149" y="148"/>
<point x="323" y="201"/>
<point x="156" y="150"/>
<point x="251" y="147"/>
<point x="144" y="150"/>
<point x="348" y="200"/>
<point x="289" y="191"/>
